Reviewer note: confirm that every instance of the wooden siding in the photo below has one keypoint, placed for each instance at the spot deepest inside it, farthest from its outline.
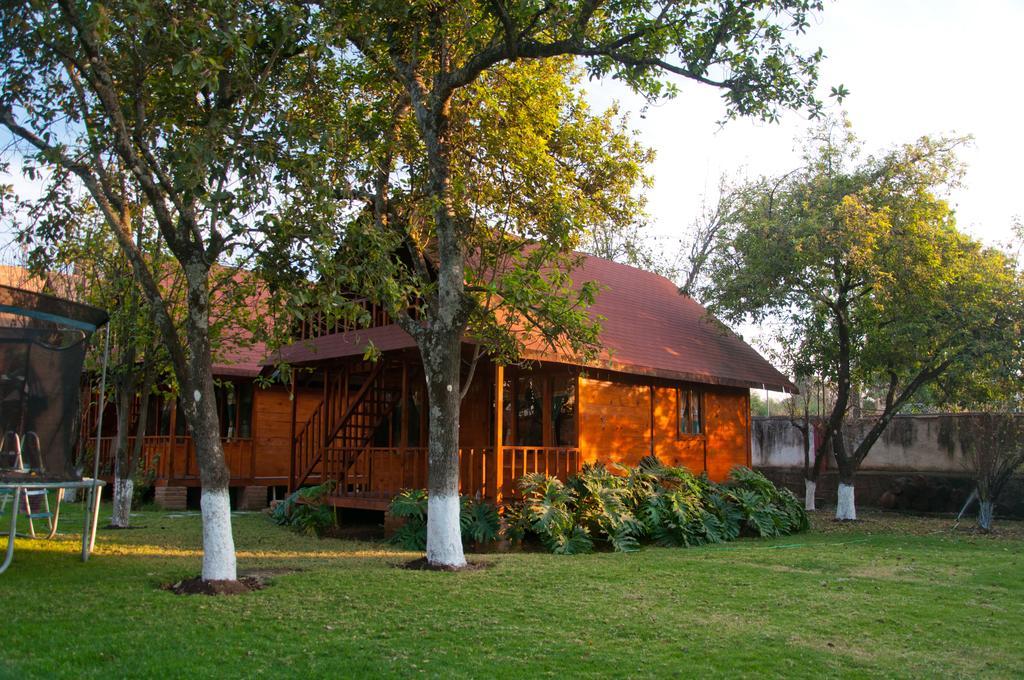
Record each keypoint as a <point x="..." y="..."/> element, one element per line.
<point x="727" y="418"/>
<point x="615" y="421"/>
<point x="272" y="413"/>
<point x="622" y="420"/>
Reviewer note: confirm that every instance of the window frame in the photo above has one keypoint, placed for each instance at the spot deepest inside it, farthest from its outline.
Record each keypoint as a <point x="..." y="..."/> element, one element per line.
<point x="685" y="397"/>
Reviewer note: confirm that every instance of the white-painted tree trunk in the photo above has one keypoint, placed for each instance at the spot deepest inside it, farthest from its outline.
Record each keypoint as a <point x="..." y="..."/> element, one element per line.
<point x="810" y="487"/>
<point x="218" y="544"/>
<point x="444" y="535"/>
<point x="123" y="490"/>
<point x="845" y="508"/>
<point x="986" y="509"/>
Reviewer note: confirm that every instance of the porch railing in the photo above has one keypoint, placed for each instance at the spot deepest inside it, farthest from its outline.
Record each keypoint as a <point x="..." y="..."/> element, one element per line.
<point x="170" y="457"/>
<point x="316" y="324"/>
<point x="378" y="474"/>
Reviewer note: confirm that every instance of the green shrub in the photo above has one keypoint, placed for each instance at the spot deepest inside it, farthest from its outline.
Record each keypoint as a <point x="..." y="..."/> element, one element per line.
<point x="652" y="502"/>
<point x="410" y="504"/>
<point x="305" y="510"/>
<point x="478" y="520"/>
<point x="767" y="509"/>
<point x="543" y="510"/>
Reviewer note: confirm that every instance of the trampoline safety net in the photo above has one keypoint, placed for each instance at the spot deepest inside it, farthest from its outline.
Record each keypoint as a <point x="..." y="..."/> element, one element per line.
<point x="43" y="340"/>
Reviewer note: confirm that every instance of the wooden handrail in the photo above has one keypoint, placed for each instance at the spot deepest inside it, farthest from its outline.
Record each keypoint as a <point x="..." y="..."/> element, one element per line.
<point x="315" y="323"/>
<point x="321" y="419"/>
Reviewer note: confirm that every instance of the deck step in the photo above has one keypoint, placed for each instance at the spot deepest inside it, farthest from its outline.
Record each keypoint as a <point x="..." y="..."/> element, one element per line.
<point x="358" y="503"/>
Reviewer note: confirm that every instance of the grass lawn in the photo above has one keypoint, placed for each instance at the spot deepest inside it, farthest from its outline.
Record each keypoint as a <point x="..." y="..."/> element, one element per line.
<point x="887" y="596"/>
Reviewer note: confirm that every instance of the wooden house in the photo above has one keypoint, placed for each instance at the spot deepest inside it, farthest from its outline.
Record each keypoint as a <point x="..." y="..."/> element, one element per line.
<point x="671" y="382"/>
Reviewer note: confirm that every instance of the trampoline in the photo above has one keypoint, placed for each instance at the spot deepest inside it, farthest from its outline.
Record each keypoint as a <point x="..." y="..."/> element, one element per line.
<point x="43" y="340"/>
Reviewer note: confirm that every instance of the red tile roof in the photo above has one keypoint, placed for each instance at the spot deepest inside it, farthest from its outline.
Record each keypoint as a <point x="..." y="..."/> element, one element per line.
<point x="240" y="361"/>
<point x="652" y="329"/>
<point x="649" y="329"/>
<point x="240" y="358"/>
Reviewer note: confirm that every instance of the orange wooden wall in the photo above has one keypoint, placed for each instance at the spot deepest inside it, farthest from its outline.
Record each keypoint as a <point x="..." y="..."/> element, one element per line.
<point x="615" y="421"/>
<point x="272" y="413"/>
<point x="616" y="426"/>
<point x="727" y="421"/>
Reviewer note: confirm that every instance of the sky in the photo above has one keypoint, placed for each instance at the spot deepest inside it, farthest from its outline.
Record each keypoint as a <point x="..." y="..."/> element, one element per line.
<point x="912" y="68"/>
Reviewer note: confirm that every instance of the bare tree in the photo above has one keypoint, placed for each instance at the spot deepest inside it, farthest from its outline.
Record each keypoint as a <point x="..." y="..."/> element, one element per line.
<point x="993" y="444"/>
<point x="698" y="243"/>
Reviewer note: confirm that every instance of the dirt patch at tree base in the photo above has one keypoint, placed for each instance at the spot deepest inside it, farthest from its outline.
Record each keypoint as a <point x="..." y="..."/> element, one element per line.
<point x="197" y="586"/>
<point x="421" y="564"/>
<point x="248" y="581"/>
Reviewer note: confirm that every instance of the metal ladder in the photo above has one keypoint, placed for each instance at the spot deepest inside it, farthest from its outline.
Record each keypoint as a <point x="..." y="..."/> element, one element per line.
<point x="23" y="503"/>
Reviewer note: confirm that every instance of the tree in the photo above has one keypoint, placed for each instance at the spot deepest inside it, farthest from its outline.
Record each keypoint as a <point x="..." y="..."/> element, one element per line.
<point x="800" y="409"/>
<point x="861" y="259"/>
<point x="425" y="65"/>
<point x="994" y="446"/>
<point x="698" y="243"/>
<point x="173" y="105"/>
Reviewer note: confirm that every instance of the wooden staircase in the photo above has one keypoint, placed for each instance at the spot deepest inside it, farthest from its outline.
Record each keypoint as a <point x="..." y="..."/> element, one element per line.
<point x="344" y="419"/>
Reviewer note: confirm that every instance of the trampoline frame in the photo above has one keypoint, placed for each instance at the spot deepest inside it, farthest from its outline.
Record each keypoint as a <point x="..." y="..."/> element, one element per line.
<point x="90" y="518"/>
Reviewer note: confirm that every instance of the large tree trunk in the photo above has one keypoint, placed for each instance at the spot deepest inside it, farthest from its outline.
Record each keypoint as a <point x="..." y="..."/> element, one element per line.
<point x="200" y="409"/>
<point x="440" y="341"/>
<point x="811" y="463"/>
<point x="846" y="507"/>
<point x="444" y="534"/>
<point x="810" y="488"/>
<point x="123" y="485"/>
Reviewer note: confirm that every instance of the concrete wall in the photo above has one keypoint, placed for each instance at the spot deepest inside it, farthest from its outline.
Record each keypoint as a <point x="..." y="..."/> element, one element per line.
<point x="917" y="443"/>
<point x="917" y="464"/>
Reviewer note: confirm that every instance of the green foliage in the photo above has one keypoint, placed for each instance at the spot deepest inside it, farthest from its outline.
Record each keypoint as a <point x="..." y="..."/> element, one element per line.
<point x="653" y="502"/>
<point x="410" y="504"/>
<point x="856" y="263"/>
<point x="767" y="509"/>
<point x="305" y="510"/>
<point x="478" y="520"/>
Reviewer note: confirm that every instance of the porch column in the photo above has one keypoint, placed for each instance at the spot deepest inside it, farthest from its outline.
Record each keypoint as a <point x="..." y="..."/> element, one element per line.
<point x="403" y="428"/>
<point x="495" y="470"/>
<point x="548" y="438"/>
<point x="291" y="439"/>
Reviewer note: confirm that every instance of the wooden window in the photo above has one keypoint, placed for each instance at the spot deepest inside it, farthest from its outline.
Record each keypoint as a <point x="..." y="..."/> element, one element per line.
<point x="180" y="426"/>
<point x="529" y="411"/>
<point x="563" y="409"/>
<point x="245" y="399"/>
<point x="508" y="435"/>
<point x="691" y="411"/>
<point x="415" y="410"/>
<point x="234" y="409"/>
